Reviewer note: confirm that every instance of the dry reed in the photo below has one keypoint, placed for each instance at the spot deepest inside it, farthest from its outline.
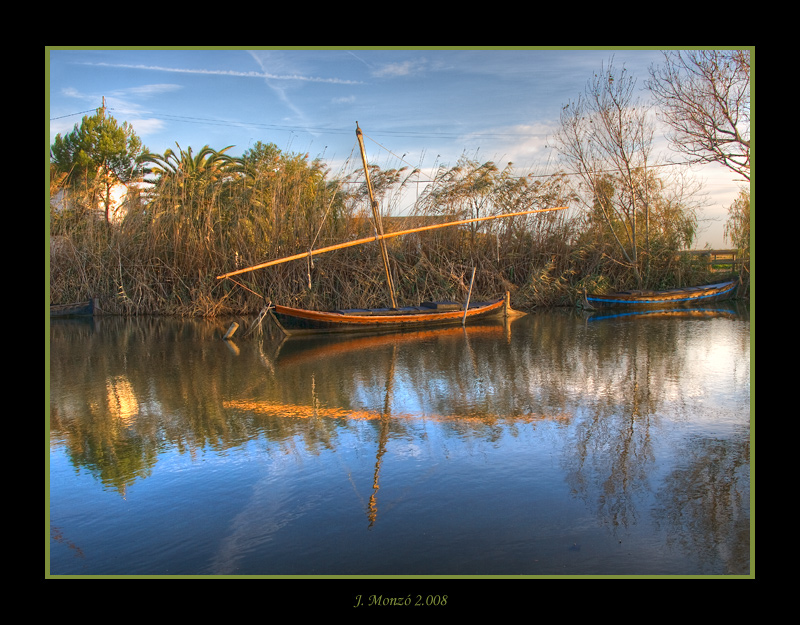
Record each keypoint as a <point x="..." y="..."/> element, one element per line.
<point x="164" y="256"/>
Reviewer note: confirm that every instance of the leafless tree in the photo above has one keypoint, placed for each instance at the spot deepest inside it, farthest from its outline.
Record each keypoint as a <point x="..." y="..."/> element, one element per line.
<point x="704" y="97"/>
<point x="606" y="138"/>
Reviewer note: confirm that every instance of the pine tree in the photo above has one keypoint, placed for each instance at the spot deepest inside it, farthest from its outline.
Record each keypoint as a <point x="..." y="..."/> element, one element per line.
<point x="97" y="155"/>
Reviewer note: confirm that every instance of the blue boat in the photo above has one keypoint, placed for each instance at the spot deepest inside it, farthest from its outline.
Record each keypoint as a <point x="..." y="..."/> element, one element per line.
<point x="689" y="296"/>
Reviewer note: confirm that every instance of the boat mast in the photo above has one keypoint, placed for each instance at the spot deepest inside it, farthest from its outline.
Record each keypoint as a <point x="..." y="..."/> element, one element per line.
<point x="376" y="215"/>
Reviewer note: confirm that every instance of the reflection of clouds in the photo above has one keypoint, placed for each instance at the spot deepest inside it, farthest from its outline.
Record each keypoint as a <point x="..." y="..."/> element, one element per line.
<point x="718" y="360"/>
<point x="269" y="509"/>
<point x="670" y="361"/>
<point x="406" y="449"/>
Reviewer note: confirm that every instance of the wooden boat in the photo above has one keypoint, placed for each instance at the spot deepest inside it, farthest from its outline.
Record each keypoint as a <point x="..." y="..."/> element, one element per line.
<point x="301" y="321"/>
<point x="78" y="309"/>
<point x="429" y="314"/>
<point x="689" y="296"/>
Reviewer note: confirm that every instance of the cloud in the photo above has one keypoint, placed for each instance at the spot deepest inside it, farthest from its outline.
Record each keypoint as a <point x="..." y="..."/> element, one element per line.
<point x="71" y="92"/>
<point x="145" y="127"/>
<point x="279" y="91"/>
<point x="404" y="68"/>
<point x="235" y="74"/>
<point x="121" y="103"/>
<point x="148" y="91"/>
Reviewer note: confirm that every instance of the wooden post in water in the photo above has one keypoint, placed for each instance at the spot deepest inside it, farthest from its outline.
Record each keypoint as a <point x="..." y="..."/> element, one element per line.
<point x="376" y="215"/>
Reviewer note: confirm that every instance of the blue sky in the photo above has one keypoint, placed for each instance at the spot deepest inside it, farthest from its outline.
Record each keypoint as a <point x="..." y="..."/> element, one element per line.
<point x="424" y="105"/>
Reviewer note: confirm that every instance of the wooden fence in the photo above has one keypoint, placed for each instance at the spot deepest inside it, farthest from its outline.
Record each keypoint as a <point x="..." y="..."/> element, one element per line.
<point x="717" y="260"/>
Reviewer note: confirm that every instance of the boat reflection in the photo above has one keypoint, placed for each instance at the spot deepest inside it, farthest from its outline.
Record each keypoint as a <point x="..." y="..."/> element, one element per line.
<point x="706" y="312"/>
<point x="297" y="349"/>
<point x="390" y="359"/>
<point x="297" y="411"/>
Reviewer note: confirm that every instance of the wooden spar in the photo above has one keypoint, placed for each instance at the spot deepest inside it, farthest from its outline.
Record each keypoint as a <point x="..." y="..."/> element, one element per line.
<point x="383" y="237"/>
<point x="376" y="216"/>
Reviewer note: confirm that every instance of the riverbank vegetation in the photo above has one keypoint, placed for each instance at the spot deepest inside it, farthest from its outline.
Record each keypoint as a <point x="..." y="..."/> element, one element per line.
<point x="189" y="217"/>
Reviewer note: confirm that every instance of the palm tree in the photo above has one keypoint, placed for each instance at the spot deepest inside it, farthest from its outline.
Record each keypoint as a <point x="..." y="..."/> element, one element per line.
<point x="186" y="182"/>
<point x="208" y="164"/>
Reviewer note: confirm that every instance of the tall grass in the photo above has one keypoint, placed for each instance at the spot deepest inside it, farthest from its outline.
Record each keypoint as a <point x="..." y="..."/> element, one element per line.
<point x="165" y="255"/>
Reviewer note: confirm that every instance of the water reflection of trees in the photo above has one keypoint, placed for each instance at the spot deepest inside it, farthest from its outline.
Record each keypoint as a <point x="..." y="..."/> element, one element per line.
<point x="124" y="391"/>
<point x="704" y="504"/>
<point x="173" y="374"/>
<point x="635" y="373"/>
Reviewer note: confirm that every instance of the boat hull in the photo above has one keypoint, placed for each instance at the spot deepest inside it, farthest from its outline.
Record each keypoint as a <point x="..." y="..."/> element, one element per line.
<point x="299" y="321"/>
<point x="690" y="296"/>
<point x="80" y="309"/>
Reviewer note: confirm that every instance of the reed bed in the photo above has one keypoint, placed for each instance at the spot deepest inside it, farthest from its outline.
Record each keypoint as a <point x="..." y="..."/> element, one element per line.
<point x="164" y="256"/>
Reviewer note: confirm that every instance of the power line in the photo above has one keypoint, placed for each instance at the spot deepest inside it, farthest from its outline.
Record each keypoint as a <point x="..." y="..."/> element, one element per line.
<point x="342" y="131"/>
<point x="73" y="114"/>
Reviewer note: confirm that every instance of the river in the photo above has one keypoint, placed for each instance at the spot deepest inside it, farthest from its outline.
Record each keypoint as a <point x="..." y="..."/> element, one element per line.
<point x="557" y="444"/>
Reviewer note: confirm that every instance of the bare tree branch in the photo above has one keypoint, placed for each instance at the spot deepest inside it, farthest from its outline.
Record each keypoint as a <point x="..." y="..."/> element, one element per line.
<point x="704" y="97"/>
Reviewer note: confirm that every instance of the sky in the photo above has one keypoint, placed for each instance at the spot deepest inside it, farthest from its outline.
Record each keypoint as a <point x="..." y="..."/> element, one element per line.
<point x="416" y="107"/>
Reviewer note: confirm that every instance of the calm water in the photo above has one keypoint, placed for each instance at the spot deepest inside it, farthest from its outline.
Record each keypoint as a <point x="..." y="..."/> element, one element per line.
<point x="559" y="444"/>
